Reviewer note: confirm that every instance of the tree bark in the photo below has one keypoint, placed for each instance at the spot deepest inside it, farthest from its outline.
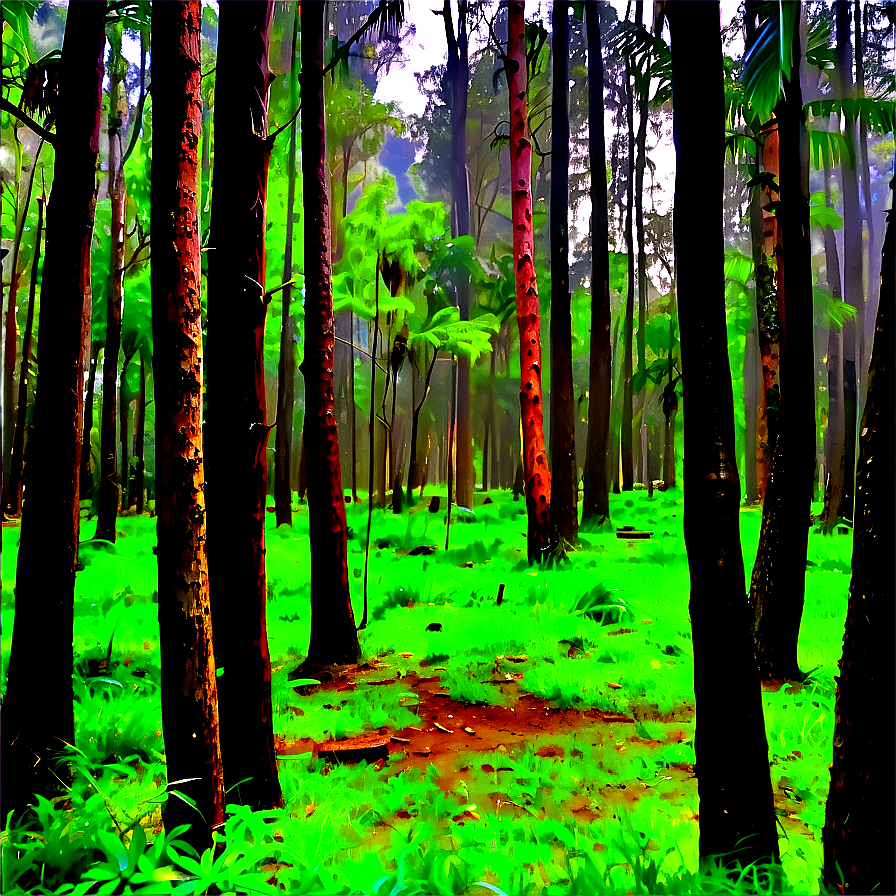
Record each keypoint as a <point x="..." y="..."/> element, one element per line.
<point x="858" y="835"/>
<point x="189" y="685"/>
<point x="741" y="807"/>
<point x="542" y="539"/>
<point x="628" y="472"/>
<point x="334" y="638"/>
<point x="853" y="268"/>
<point x="110" y="491"/>
<point x="139" y="440"/>
<point x="778" y="582"/>
<point x="458" y="75"/>
<point x="564" y="468"/>
<point x="286" y="369"/>
<point x="17" y="459"/>
<point x="237" y="429"/>
<point x="85" y="478"/>
<point x="45" y="579"/>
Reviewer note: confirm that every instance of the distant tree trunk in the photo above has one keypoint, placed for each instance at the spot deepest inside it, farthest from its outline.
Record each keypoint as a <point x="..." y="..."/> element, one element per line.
<point x="17" y="459"/>
<point x="126" y="431"/>
<point x="628" y="473"/>
<point x="457" y="74"/>
<point x="189" y="685"/>
<point x="333" y="638"/>
<point x="670" y="407"/>
<point x="777" y="587"/>
<point x="834" y="437"/>
<point x="858" y="835"/>
<point x="742" y="807"/>
<point x="542" y="541"/>
<point x="48" y="552"/>
<point x="108" y="491"/>
<point x="237" y="429"/>
<point x="564" y="468"/>
<point x="85" y="478"/>
<point x="853" y="286"/>
<point x="754" y="457"/>
<point x="643" y="100"/>
<point x="139" y="440"/>
<point x="286" y="370"/>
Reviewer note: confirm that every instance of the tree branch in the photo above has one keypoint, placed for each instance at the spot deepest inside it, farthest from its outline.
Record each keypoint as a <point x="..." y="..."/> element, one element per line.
<point x="26" y="119"/>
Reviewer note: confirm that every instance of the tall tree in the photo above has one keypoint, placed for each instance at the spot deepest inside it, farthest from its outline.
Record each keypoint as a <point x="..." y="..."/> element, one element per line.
<point x="108" y="491"/>
<point x="237" y="431"/>
<point x="596" y="479"/>
<point x="627" y="472"/>
<point x="286" y="369"/>
<point x="777" y="586"/>
<point x="858" y="835"/>
<point x="189" y="690"/>
<point x="731" y="808"/>
<point x="334" y="638"/>
<point x="564" y="468"/>
<point x="457" y="74"/>
<point x="45" y="573"/>
<point x="542" y="540"/>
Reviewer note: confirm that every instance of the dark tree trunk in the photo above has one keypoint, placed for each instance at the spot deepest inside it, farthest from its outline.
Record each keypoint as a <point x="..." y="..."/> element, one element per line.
<point x="859" y="830"/>
<point x="670" y="407"/>
<point x="542" y="541"/>
<point x="237" y="428"/>
<point x="189" y="685"/>
<point x="286" y="369"/>
<point x="458" y="75"/>
<point x="126" y="432"/>
<point x="108" y="491"/>
<point x="564" y="468"/>
<point x="45" y="580"/>
<point x="334" y="638"/>
<point x="17" y="459"/>
<point x="741" y="807"/>
<point x="777" y="587"/>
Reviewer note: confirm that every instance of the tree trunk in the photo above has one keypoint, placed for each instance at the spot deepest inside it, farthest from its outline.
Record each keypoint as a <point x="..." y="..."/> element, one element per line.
<point x="778" y="582"/>
<point x="334" y="638"/>
<point x="741" y="807"/>
<point x="858" y="835"/>
<point x="126" y="430"/>
<point x="542" y="540"/>
<point x="628" y="473"/>
<point x="139" y="440"/>
<point x="17" y="459"/>
<point x="189" y="685"/>
<point x="286" y="369"/>
<point x="564" y="468"/>
<point x="85" y="476"/>
<point x="643" y="97"/>
<point x="458" y="76"/>
<point x="108" y="491"/>
<point x="237" y="428"/>
<point x="853" y="286"/>
<point x="45" y="580"/>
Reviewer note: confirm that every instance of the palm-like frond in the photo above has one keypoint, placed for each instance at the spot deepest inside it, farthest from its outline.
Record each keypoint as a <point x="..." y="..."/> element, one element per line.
<point x="769" y="60"/>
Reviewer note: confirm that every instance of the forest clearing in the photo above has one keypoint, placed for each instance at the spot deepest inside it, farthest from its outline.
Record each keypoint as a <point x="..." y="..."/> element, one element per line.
<point x="448" y="447"/>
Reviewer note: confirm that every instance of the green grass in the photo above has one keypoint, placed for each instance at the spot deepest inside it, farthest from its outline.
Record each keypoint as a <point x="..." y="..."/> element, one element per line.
<point x="616" y="614"/>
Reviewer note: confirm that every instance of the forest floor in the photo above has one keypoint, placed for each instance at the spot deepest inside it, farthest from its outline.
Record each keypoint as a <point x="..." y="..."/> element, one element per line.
<point x="540" y="744"/>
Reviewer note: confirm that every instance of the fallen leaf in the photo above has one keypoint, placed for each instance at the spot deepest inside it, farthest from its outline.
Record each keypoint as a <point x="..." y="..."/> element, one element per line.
<point x="309" y="809"/>
<point x="469" y="730"/>
<point x="406" y="656"/>
<point x="443" y="728"/>
<point x="612" y="684"/>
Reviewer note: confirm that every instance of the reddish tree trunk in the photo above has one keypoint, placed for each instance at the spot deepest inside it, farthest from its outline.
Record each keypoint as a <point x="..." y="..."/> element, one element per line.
<point x="334" y="638"/>
<point x="189" y="691"/>
<point x="45" y="580"/>
<point x="730" y="809"/>
<point x="542" y="541"/>
<point x="85" y="479"/>
<point x="237" y="428"/>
